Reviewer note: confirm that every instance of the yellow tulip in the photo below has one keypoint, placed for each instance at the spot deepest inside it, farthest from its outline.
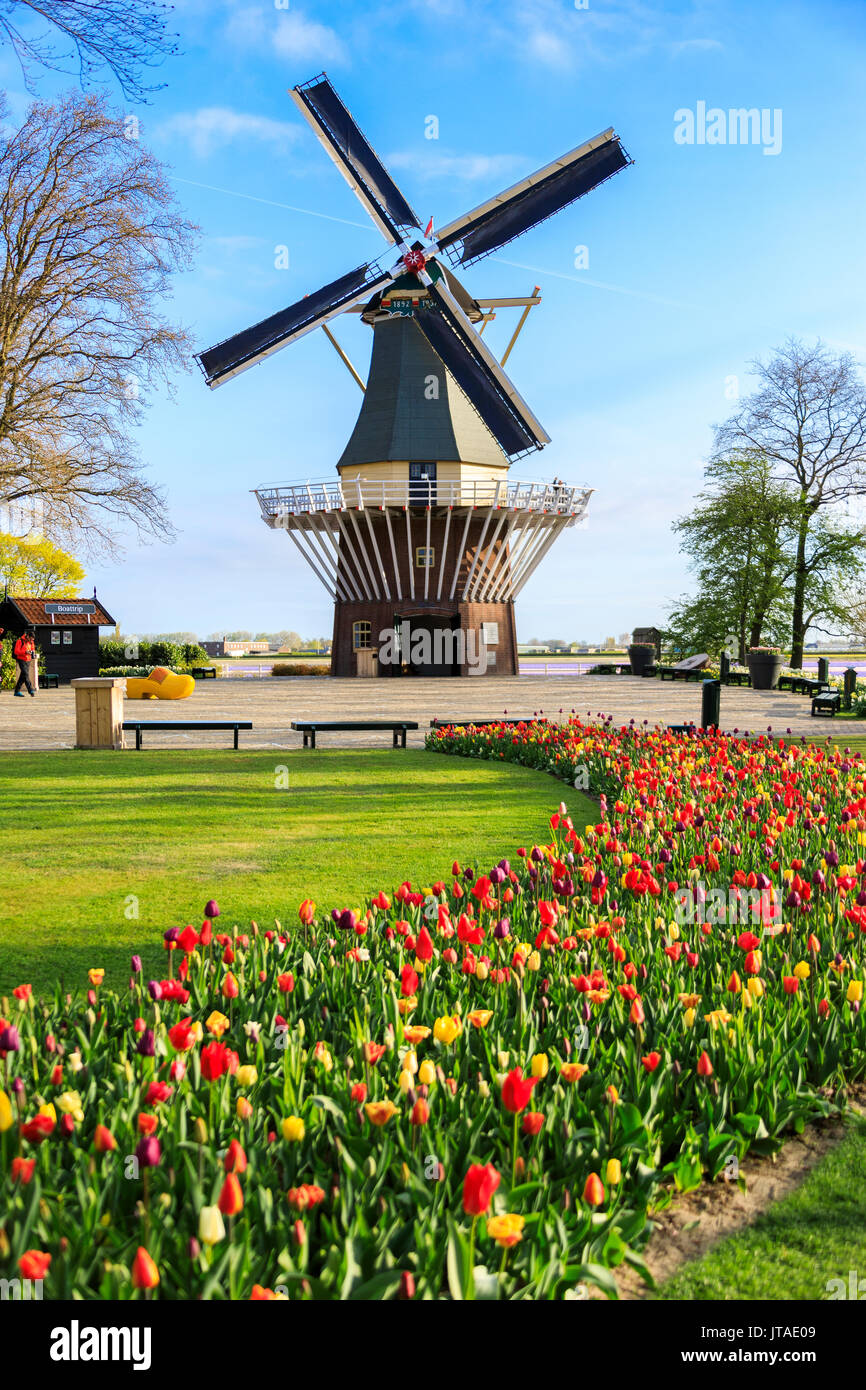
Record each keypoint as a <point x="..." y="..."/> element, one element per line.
<point x="481" y="971"/>
<point x="293" y="1129"/>
<point x="410" y="1062"/>
<point x="406" y="1081"/>
<point x="427" y="1074"/>
<point x="506" y="1230"/>
<point x="49" y="1111"/>
<point x="756" y="987"/>
<point x="96" y="977"/>
<point x="802" y="970"/>
<point x="613" y="1172"/>
<point x="540" y="1064"/>
<point x="534" y="961"/>
<point x="70" y="1103"/>
<point x="211" y="1228"/>
<point x="689" y="1018"/>
<point x="217" y="1023"/>
<point x="855" y="991"/>
<point x="6" y="1117"/>
<point x="447" y="1028"/>
<point x="246" y="1075"/>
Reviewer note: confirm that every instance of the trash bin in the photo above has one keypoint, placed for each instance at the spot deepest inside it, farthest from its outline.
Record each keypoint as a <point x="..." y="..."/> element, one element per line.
<point x="849" y="685"/>
<point x="99" y="711"/>
<point x="724" y="668"/>
<point x="368" y="662"/>
<point x="823" y="669"/>
<point x="711" y="699"/>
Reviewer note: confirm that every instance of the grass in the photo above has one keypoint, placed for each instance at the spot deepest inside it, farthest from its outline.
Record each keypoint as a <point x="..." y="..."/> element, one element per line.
<point x="798" y="1245"/>
<point x="89" y="839"/>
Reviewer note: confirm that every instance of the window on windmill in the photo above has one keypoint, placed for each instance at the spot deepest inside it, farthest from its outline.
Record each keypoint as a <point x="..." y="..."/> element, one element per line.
<point x="361" y="636"/>
<point x="425" y="557"/>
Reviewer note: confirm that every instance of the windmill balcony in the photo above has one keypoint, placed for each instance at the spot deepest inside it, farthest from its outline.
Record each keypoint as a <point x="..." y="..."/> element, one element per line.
<point x="469" y="540"/>
<point x="282" y="501"/>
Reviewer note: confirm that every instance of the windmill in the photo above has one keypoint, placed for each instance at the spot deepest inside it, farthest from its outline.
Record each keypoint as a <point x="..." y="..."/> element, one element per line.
<point x="423" y="541"/>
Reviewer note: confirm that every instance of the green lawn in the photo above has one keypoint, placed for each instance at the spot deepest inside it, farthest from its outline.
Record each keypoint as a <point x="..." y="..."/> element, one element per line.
<point x="90" y="838"/>
<point x="814" y="1235"/>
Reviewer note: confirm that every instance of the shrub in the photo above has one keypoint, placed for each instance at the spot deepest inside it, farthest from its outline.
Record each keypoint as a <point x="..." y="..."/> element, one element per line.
<point x="177" y="656"/>
<point x="299" y="668"/>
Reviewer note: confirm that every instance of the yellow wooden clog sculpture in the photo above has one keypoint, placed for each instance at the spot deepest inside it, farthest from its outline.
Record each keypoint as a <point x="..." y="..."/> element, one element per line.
<point x="161" y="684"/>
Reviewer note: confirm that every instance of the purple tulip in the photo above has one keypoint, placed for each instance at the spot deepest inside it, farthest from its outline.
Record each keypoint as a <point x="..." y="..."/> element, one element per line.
<point x="146" y="1045"/>
<point x="171" y="935"/>
<point x="501" y="930"/>
<point x="211" y="909"/>
<point x="154" y="989"/>
<point x="148" y="1152"/>
<point x="136" y="965"/>
<point x="9" y="1039"/>
<point x="18" y="1087"/>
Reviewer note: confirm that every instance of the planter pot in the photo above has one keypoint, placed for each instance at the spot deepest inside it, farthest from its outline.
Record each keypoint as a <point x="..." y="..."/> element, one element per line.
<point x="640" y="658"/>
<point x="764" y="668"/>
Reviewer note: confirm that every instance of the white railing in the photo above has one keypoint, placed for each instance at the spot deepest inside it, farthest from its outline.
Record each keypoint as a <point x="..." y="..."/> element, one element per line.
<point x="352" y="494"/>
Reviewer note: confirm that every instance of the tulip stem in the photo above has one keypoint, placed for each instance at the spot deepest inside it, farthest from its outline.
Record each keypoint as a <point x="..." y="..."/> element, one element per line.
<point x="470" y="1278"/>
<point x="514" y="1151"/>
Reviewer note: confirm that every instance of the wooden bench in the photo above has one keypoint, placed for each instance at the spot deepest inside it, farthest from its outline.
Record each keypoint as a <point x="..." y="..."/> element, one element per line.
<point x="682" y="728"/>
<point x="739" y="678"/>
<point x="139" y="725"/>
<point x="826" y="702"/>
<point x="483" y="723"/>
<point x="204" y="673"/>
<point x="680" y="673"/>
<point x="310" y="727"/>
<point x="50" y="681"/>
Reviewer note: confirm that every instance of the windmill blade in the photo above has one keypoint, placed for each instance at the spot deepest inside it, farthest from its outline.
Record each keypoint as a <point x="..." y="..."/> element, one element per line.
<point x="478" y="374"/>
<point x="244" y="349"/>
<point x="533" y="200"/>
<point x="354" y="156"/>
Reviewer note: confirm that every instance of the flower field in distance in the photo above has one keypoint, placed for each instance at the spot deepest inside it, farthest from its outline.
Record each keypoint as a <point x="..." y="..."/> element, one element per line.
<point x="471" y="1088"/>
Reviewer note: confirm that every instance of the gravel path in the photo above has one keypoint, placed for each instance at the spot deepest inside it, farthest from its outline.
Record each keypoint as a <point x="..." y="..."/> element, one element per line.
<point x="272" y="703"/>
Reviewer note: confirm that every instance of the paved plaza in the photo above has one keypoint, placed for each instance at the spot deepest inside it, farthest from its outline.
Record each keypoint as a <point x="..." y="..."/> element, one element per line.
<point x="48" y="721"/>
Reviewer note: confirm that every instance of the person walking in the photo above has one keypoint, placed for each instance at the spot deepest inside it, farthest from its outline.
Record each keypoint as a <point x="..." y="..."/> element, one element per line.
<point x="24" y="652"/>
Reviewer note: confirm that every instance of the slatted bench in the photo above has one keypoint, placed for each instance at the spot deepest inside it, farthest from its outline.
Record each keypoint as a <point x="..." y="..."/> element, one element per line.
<point x="826" y="702"/>
<point x="680" y="673"/>
<point x="739" y="678"/>
<point x="310" y="727"/>
<point x="139" y="725"/>
<point x="50" y="681"/>
<point x="203" y="673"/>
<point x="484" y="723"/>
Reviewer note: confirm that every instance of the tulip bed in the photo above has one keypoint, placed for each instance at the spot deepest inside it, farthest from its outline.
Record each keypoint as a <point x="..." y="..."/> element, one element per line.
<point x="477" y="1087"/>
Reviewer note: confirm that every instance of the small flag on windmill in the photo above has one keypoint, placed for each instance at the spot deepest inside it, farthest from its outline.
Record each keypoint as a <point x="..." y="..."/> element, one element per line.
<point x="428" y="230"/>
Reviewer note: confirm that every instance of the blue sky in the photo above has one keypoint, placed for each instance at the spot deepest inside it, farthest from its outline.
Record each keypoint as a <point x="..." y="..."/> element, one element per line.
<point x="701" y="258"/>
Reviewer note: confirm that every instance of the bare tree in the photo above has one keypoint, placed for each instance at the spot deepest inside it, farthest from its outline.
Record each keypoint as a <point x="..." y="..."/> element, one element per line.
<point x="92" y="236"/>
<point x="808" y="419"/>
<point x="122" y="36"/>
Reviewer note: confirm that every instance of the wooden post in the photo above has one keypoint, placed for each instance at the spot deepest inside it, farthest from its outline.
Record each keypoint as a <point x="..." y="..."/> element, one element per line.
<point x="99" y="711"/>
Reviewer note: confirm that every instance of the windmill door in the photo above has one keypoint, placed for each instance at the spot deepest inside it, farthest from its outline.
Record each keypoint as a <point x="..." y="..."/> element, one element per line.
<point x="422" y="484"/>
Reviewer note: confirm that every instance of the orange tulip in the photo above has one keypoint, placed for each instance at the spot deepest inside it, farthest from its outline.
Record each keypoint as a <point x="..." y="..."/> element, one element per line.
<point x="145" y="1274"/>
<point x="705" y="1066"/>
<point x="231" y="1198"/>
<point x="593" y="1191"/>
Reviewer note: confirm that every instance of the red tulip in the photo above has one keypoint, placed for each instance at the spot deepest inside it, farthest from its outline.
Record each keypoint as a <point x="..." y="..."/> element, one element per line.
<point x="533" y="1122"/>
<point x="231" y="1198"/>
<point x="22" y="1169"/>
<point x="408" y="981"/>
<point x="424" y="945"/>
<point x="285" y="983"/>
<point x="479" y="1186"/>
<point x="636" y="1014"/>
<point x="34" y="1264"/>
<point x="145" y="1274"/>
<point x="651" y="1061"/>
<point x="235" y="1160"/>
<point x="420" y="1113"/>
<point x="103" y="1140"/>
<point x="214" y="1061"/>
<point x="705" y="1066"/>
<point x="516" y="1090"/>
<point x="593" y="1191"/>
<point x="790" y="984"/>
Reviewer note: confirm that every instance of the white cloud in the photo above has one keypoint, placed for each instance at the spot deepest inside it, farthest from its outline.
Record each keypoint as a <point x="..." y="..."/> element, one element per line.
<point x="432" y="164"/>
<point x="213" y="126"/>
<point x="289" y="34"/>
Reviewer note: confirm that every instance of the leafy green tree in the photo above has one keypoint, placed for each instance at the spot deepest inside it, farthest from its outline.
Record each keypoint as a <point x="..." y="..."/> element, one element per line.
<point x="808" y="420"/>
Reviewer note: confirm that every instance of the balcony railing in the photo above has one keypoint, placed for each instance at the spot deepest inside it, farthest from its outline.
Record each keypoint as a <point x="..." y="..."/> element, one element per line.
<point x="359" y="494"/>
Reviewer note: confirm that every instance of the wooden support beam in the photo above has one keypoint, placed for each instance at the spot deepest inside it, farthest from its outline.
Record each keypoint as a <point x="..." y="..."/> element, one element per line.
<point x="342" y="356"/>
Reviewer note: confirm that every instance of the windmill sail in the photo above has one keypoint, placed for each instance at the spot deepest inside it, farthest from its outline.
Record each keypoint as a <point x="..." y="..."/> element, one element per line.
<point x="235" y="354"/>
<point x="481" y="379"/>
<point x="355" y="157"/>
<point x="533" y="200"/>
